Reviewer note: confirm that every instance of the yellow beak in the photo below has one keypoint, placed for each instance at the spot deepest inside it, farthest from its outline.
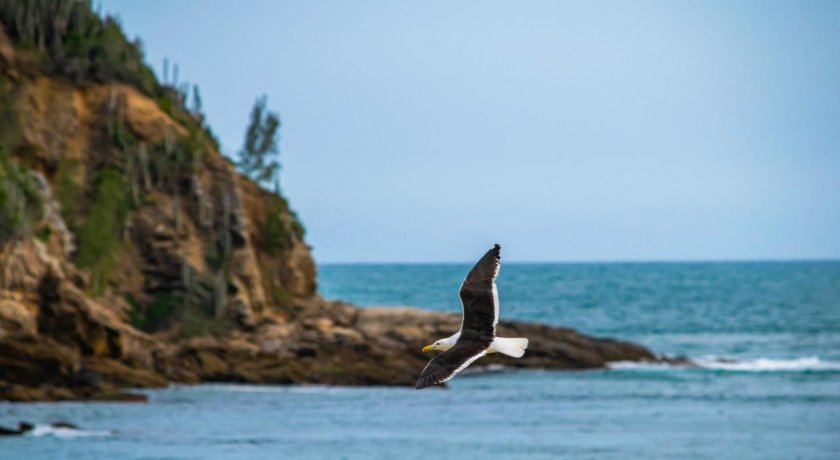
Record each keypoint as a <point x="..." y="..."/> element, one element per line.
<point x="427" y="348"/>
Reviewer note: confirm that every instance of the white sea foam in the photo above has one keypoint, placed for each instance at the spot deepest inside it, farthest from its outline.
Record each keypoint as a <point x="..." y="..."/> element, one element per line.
<point x="633" y="365"/>
<point x="62" y="432"/>
<point x="810" y="363"/>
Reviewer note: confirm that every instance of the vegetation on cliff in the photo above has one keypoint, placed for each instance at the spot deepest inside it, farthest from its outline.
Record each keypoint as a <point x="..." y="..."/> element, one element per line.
<point x="66" y="37"/>
<point x="256" y="159"/>
<point x="130" y="170"/>
<point x="98" y="235"/>
<point x="20" y="206"/>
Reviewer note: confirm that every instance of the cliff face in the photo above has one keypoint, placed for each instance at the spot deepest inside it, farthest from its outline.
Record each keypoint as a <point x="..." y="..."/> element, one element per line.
<point x="132" y="253"/>
<point x="137" y="231"/>
<point x="187" y="219"/>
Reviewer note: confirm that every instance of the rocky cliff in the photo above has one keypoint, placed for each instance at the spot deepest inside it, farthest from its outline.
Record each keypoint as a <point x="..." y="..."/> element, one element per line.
<point x="133" y="254"/>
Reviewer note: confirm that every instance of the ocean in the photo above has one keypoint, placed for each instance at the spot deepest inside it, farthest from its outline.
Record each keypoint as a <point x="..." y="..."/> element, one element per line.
<point x="766" y="337"/>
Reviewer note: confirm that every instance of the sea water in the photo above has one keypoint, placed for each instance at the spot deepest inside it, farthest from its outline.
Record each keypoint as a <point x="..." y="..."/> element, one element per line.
<point x="765" y="337"/>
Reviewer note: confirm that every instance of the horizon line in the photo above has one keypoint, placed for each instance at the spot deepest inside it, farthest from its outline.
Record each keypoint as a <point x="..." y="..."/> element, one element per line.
<point x="581" y="262"/>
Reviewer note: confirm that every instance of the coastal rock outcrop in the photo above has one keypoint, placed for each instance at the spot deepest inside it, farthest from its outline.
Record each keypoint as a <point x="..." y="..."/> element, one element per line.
<point x="345" y="345"/>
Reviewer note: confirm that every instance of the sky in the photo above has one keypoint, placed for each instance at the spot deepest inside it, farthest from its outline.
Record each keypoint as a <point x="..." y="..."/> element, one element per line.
<point x="586" y="131"/>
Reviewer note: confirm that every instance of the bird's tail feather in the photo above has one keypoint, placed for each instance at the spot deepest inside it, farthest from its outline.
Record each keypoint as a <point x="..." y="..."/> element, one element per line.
<point x="513" y="347"/>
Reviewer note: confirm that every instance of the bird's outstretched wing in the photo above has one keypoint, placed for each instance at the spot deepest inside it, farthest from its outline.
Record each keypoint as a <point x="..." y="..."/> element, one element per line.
<point x="479" y="296"/>
<point x="445" y="365"/>
<point x="478" y="327"/>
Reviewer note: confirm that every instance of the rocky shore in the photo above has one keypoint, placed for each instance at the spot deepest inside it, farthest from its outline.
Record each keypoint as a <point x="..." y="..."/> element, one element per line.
<point x="57" y="343"/>
<point x="332" y="343"/>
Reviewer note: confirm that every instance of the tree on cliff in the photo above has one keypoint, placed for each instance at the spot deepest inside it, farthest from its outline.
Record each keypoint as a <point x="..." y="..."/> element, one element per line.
<point x="258" y="158"/>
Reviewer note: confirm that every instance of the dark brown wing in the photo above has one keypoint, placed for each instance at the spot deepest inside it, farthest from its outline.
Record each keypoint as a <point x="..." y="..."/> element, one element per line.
<point x="479" y="296"/>
<point x="445" y="365"/>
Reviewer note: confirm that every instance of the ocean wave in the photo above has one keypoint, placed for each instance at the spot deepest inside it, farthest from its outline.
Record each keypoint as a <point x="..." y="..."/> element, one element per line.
<point x="723" y="363"/>
<point x="64" y="432"/>
<point x="811" y="363"/>
<point x="641" y="365"/>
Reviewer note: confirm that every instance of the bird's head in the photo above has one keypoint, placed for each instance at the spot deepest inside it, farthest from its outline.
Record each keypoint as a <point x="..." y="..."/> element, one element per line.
<point x="440" y="345"/>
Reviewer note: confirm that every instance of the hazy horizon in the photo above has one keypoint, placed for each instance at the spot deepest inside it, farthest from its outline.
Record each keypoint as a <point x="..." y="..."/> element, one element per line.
<point x="585" y="262"/>
<point x="567" y="132"/>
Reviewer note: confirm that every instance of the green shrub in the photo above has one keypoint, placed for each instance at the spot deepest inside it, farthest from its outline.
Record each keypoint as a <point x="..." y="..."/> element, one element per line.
<point x="165" y="104"/>
<point x="215" y="259"/>
<point x="173" y="308"/>
<point x="275" y="235"/>
<point x="20" y="203"/>
<point x="43" y="233"/>
<point x="195" y="321"/>
<point x="281" y="297"/>
<point x="68" y="191"/>
<point x="162" y="310"/>
<point x="119" y="132"/>
<point x="297" y="228"/>
<point x="281" y="224"/>
<point x="10" y="132"/>
<point x="98" y="236"/>
<point x="137" y="316"/>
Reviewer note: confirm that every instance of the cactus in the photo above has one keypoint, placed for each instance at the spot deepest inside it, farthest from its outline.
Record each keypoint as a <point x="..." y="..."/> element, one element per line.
<point x="196" y="108"/>
<point x="143" y="157"/>
<point x="165" y="71"/>
<point x="220" y="297"/>
<point x="176" y="212"/>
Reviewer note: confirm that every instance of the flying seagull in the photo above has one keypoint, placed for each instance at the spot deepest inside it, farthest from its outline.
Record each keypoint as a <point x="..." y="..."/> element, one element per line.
<point x="477" y="336"/>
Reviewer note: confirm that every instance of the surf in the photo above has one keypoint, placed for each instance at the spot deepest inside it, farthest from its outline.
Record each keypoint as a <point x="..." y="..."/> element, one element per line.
<point x="724" y="363"/>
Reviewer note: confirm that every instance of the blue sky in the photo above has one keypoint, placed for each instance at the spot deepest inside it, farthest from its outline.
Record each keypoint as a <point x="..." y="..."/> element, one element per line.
<point x="589" y="131"/>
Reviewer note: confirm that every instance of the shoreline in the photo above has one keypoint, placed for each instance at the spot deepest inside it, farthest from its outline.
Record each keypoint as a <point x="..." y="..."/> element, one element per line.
<point x="328" y="343"/>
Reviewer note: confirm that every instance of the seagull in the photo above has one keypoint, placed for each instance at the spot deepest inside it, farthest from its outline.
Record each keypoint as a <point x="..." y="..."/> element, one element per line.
<point x="477" y="336"/>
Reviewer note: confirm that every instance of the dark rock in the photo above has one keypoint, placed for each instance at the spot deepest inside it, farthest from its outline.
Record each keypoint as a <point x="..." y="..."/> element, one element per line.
<point x="67" y="425"/>
<point x="23" y="428"/>
<point x="9" y="432"/>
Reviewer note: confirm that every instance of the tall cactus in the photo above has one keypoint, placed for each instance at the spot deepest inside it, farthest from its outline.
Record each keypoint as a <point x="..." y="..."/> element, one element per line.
<point x="143" y="157"/>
